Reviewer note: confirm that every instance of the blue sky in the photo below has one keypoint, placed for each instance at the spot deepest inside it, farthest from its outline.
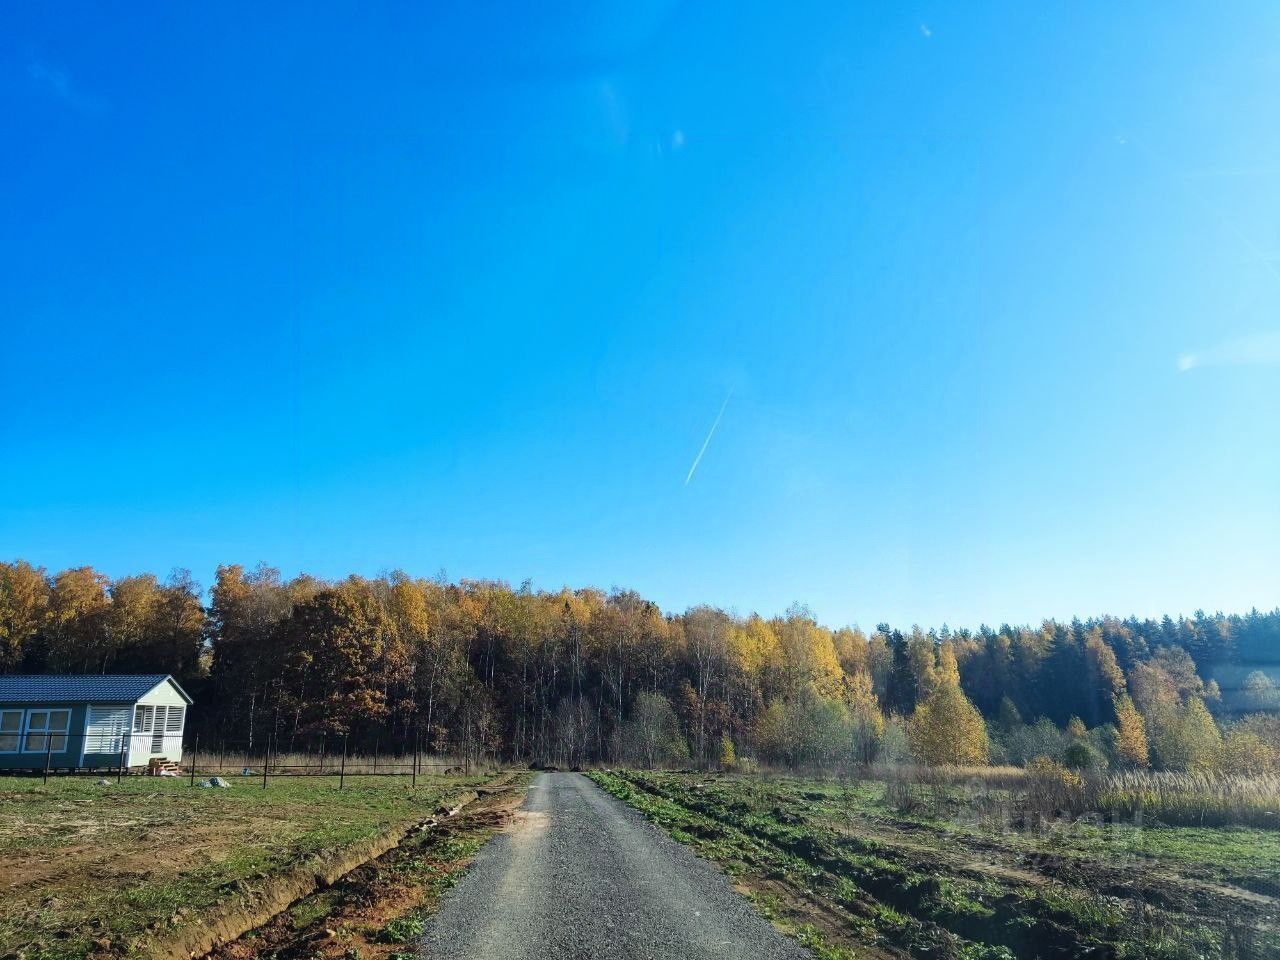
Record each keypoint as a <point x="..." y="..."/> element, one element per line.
<point x="993" y="296"/>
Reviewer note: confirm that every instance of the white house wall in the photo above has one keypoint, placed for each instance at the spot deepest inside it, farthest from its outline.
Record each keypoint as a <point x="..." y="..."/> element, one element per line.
<point x="141" y="746"/>
<point x="165" y="694"/>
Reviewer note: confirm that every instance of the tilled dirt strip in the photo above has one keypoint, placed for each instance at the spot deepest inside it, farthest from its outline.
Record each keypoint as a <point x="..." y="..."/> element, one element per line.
<point x="258" y="902"/>
<point x="356" y="914"/>
<point x="1134" y="877"/>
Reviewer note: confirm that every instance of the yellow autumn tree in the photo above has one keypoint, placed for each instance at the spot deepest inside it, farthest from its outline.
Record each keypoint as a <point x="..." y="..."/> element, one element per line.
<point x="24" y="600"/>
<point x="805" y="657"/>
<point x="1247" y="754"/>
<point x="1131" y="734"/>
<point x="922" y="655"/>
<point x="946" y="729"/>
<point x="1192" y="741"/>
<point x="852" y="649"/>
<point x="728" y="756"/>
<point x="1104" y="670"/>
<point x="948" y="669"/>
<point x="79" y="640"/>
<point x="752" y="645"/>
<point x="866" y="722"/>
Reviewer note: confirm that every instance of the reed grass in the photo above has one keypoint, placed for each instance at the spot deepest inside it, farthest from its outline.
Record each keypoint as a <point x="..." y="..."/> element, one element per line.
<point x="1192" y="799"/>
<point x="1052" y="792"/>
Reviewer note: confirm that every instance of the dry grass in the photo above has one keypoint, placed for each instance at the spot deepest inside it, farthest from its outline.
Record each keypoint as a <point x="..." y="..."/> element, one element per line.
<point x="1193" y="799"/>
<point x="1049" y="791"/>
<point x="316" y="764"/>
<point x="990" y="778"/>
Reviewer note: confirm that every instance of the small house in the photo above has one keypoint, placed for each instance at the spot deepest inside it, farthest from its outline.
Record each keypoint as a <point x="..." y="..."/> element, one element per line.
<point x="90" y="721"/>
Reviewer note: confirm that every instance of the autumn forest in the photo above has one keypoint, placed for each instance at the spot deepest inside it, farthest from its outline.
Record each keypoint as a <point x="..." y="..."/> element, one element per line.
<point x="578" y="676"/>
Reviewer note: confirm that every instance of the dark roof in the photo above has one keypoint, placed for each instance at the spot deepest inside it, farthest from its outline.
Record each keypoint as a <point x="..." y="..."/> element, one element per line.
<point x="82" y="688"/>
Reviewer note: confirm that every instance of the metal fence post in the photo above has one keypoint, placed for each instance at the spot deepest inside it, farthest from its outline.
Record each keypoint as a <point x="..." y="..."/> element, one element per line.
<point x="266" y="762"/>
<point x="48" y="753"/>
<point x="414" y="784"/>
<point x="342" y="770"/>
<point x="124" y="750"/>
<point x="195" y="754"/>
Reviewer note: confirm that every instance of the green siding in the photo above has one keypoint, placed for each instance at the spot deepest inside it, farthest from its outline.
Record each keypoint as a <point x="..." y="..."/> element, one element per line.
<point x="58" y="759"/>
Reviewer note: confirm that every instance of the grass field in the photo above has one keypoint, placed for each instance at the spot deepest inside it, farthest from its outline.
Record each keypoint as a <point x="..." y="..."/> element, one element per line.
<point x="846" y="870"/>
<point x="88" y="868"/>
<point x="379" y="910"/>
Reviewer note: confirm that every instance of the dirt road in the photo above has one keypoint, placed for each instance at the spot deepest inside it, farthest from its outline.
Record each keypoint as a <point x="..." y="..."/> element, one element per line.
<point x="581" y="875"/>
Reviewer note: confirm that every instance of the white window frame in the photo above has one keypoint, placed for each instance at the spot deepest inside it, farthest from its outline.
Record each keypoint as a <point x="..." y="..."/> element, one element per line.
<point x="47" y="731"/>
<point x="16" y="734"/>
<point x="144" y="717"/>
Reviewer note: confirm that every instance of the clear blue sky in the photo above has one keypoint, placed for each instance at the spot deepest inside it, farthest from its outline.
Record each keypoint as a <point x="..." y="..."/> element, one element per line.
<point x="993" y="294"/>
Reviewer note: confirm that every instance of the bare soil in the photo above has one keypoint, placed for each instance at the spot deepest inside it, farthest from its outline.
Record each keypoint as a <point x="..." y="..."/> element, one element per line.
<point x="89" y="869"/>
<point x="357" y="915"/>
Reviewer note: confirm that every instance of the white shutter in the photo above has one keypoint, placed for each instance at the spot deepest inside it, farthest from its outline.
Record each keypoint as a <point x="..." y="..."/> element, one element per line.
<point x="168" y="735"/>
<point x="107" y="726"/>
<point x="157" y="737"/>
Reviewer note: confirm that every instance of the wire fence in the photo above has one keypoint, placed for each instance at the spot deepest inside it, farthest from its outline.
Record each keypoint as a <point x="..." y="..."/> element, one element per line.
<point x="54" y="752"/>
<point x="43" y="750"/>
<point x="242" y="759"/>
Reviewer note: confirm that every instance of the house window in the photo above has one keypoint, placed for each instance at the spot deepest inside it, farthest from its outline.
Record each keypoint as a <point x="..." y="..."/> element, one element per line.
<point x="143" y="718"/>
<point x="10" y="730"/>
<point x="47" y="731"/>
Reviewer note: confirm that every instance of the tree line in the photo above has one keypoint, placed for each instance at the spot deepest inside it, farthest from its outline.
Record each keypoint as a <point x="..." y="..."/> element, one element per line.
<point x="578" y="676"/>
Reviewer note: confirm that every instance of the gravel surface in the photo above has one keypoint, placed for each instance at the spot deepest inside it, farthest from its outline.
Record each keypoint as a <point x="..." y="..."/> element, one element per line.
<point x="580" y="874"/>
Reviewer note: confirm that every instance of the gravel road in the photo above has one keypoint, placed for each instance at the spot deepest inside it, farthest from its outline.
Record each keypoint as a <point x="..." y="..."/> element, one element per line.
<point x="580" y="874"/>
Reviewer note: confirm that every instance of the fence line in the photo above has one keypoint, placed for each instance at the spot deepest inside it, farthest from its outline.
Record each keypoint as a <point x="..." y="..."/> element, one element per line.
<point x="136" y="752"/>
<point x="63" y="751"/>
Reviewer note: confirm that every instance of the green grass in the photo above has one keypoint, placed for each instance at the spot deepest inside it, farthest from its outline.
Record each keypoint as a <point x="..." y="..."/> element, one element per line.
<point x="311" y="909"/>
<point x="123" y="861"/>
<point x="1226" y="852"/>
<point x="952" y="880"/>
<point x="405" y="929"/>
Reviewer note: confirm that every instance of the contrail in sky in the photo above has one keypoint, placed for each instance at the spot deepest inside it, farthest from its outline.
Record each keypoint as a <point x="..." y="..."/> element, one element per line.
<point x="710" y="433"/>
